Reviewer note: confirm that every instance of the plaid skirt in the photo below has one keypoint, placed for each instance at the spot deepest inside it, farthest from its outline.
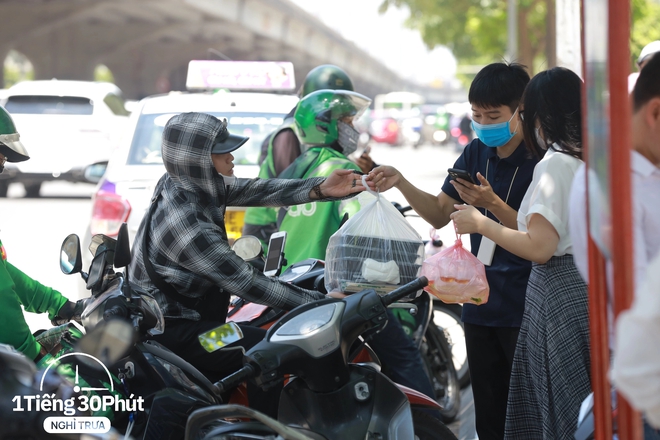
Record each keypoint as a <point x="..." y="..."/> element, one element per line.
<point x="551" y="367"/>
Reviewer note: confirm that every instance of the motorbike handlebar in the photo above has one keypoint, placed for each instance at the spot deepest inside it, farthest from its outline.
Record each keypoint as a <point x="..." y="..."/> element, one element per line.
<point x="114" y="311"/>
<point x="235" y="379"/>
<point x="404" y="290"/>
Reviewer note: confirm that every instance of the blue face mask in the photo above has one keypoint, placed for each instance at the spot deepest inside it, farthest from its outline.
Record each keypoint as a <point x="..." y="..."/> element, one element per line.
<point x="495" y="135"/>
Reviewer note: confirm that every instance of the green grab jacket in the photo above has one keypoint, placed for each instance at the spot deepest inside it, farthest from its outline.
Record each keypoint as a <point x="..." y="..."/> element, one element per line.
<point x="18" y="289"/>
<point x="266" y="215"/>
<point x="310" y="225"/>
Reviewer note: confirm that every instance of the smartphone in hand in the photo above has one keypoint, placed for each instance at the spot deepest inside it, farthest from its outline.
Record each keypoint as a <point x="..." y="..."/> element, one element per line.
<point x="455" y="173"/>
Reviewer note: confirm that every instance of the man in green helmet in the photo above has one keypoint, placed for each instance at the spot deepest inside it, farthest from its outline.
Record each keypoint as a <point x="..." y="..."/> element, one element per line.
<point x="16" y="288"/>
<point x="282" y="147"/>
<point x="323" y="121"/>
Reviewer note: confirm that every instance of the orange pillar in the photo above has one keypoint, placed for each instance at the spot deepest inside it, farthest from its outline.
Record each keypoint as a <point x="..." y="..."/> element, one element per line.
<point x="620" y="189"/>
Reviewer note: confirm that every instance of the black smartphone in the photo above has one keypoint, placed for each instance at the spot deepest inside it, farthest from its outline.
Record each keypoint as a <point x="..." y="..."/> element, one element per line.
<point x="275" y="252"/>
<point x="455" y="173"/>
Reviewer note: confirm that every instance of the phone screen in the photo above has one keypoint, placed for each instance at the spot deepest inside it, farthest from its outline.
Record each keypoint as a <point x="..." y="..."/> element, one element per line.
<point x="274" y="253"/>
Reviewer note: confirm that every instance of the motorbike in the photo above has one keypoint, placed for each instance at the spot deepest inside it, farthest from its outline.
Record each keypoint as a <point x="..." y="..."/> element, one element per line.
<point x="21" y="379"/>
<point x="415" y="316"/>
<point x="171" y="387"/>
<point x="327" y="396"/>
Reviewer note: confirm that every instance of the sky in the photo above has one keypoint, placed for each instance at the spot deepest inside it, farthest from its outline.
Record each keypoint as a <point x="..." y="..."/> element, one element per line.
<point x="384" y="37"/>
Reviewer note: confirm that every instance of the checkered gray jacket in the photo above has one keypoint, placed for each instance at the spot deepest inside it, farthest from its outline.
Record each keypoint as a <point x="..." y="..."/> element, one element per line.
<point x="188" y="244"/>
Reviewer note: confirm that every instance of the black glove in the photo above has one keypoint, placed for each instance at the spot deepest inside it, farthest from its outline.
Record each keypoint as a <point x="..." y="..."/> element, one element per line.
<point x="69" y="311"/>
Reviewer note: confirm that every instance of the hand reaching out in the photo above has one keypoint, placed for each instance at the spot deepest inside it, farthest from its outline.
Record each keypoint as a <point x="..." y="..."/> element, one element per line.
<point x="342" y="183"/>
<point x="384" y="177"/>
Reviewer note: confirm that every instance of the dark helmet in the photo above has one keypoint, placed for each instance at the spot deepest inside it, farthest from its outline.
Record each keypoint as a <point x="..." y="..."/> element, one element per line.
<point x="326" y="76"/>
<point x="10" y="145"/>
<point x="317" y="114"/>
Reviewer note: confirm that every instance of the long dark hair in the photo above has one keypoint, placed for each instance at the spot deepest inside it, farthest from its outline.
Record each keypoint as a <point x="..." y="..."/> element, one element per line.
<point x="553" y="98"/>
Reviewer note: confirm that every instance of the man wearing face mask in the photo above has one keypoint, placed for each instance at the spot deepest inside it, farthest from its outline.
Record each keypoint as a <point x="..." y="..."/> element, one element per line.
<point x="323" y="123"/>
<point x="497" y="159"/>
<point x="282" y="147"/>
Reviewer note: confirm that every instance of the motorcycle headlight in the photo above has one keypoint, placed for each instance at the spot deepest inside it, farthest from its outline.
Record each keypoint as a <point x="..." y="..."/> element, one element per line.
<point x="308" y="321"/>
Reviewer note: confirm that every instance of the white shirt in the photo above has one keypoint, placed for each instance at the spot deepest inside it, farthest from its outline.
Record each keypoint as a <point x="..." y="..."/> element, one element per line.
<point x="636" y="364"/>
<point x="646" y="217"/>
<point x="548" y="195"/>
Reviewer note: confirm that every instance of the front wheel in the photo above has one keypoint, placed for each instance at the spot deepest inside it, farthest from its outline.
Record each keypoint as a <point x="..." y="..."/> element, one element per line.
<point x="448" y="318"/>
<point x="428" y="427"/>
<point x="436" y="355"/>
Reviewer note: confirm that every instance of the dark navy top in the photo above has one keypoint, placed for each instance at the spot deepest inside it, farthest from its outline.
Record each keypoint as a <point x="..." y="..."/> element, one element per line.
<point x="507" y="275"/>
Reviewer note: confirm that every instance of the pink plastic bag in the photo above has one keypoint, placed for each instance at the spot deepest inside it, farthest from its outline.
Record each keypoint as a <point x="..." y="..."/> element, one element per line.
<point x="456" y="276"/>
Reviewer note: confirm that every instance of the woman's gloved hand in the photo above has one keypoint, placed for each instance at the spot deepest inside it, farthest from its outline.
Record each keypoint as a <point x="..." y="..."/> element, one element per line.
<point x="69" y="311"/>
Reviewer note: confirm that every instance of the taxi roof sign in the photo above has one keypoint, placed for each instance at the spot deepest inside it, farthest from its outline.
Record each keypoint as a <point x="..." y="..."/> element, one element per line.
<point x="240" y="75"/>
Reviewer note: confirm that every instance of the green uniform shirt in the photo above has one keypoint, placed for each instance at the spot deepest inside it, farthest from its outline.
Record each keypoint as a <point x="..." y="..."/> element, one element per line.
<point x="266" y="215"/>
<point x="309" y="226"/>
<point x="18" y="289"/>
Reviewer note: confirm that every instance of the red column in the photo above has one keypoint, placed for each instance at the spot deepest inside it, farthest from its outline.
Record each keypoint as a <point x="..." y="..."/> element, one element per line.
<point x="620" y="144"/>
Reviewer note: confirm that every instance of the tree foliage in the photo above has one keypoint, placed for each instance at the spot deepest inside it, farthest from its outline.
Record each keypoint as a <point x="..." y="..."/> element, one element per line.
<point x="644" y="28"/>
<point x="476" y="30"/>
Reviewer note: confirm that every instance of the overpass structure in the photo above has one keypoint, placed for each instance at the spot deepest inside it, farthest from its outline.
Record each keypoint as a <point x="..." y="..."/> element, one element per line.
<point x="147" y="44"/>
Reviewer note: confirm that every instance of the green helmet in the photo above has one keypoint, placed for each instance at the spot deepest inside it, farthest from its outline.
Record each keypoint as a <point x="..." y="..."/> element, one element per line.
<point x="326" y="76"/>
<point x="10" y="145"/>
<point x="317" y="114"/>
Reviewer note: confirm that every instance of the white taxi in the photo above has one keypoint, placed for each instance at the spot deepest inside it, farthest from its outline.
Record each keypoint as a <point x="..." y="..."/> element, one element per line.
<point x="124" y="192"/>
<point x="66" y="126"/>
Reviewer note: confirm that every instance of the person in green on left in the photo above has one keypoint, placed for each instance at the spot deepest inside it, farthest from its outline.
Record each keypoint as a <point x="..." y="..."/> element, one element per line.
<point x="16" y="288"/>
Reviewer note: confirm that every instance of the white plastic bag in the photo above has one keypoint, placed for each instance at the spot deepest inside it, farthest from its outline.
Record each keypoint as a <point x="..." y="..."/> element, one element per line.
<point x="375" y="249"/>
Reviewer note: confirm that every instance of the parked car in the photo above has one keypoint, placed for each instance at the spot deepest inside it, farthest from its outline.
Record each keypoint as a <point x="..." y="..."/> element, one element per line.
<point x="65" y="126"/>
<point x="385" y="130"/>
<point x="126" y="188"/>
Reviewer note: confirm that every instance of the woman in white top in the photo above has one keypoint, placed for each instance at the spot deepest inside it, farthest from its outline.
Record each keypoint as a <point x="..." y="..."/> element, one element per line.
<point x="551" y="368"/>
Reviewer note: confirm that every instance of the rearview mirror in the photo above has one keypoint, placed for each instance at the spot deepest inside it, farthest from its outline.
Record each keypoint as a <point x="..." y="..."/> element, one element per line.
<point x="70" y="255"/>
<point x="248" y="247"/>
<point x="123" y="248"/>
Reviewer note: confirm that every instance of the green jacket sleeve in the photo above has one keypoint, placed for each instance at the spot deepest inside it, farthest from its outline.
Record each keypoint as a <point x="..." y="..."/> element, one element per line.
<point x="18" y="289"/>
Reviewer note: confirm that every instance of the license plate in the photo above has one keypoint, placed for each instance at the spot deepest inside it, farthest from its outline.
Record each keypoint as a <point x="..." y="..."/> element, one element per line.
<point x="234" y="223"/>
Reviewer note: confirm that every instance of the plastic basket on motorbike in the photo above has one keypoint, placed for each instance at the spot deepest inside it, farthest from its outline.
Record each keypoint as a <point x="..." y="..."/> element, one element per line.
<point x="376" y="249"/>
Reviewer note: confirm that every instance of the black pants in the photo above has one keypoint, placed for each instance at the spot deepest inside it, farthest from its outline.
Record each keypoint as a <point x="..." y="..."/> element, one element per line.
<point x="181" y="337"/>
<point x="400" y="356"/>
<point x="490" y="356"/>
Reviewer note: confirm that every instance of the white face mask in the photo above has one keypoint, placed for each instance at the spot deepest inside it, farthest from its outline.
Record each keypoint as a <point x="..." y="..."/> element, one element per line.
<point x="229" y="180"/>
<point x="539" y="139"/>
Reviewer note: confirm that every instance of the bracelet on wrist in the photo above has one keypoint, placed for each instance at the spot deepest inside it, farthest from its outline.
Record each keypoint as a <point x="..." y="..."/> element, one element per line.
<point x="317" y="190"/>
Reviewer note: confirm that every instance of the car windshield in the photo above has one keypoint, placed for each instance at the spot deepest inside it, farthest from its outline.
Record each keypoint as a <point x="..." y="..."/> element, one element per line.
<point x="145" y="148"/>
<point x="49" y="105"/>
